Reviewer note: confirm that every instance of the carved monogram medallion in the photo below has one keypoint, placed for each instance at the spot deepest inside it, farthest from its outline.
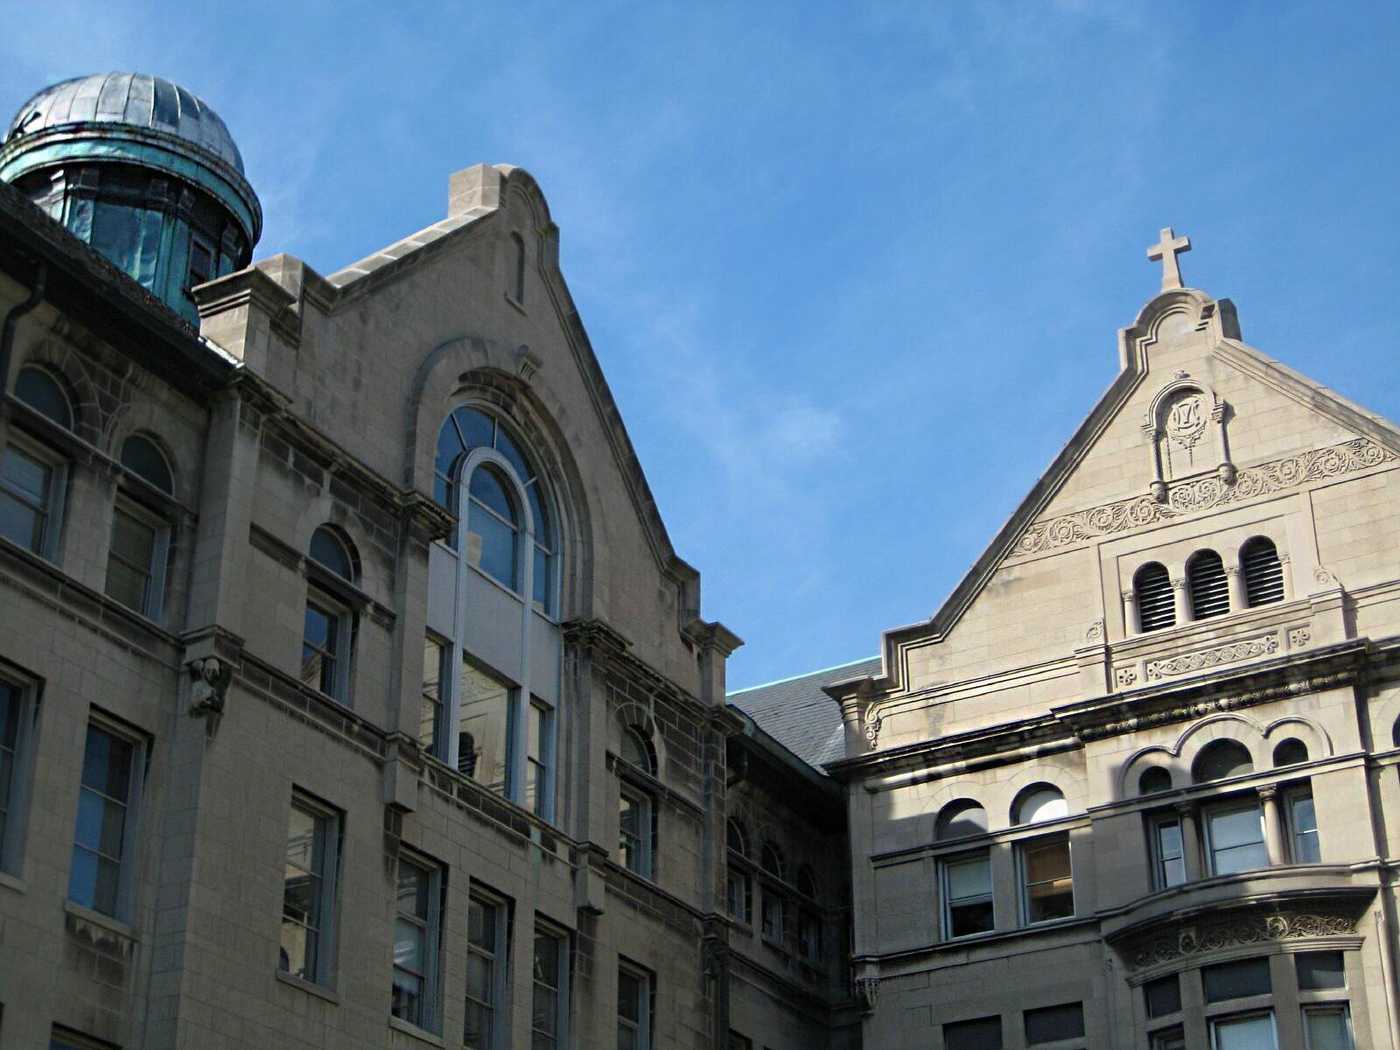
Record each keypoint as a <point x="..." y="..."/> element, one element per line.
<point x="1186" y="421"/>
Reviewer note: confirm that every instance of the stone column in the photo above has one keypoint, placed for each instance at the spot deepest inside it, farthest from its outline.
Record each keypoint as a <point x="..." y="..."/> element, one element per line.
<point x="1131" y="623"/>
<point x="1273" y="824"/>
<point x="1190" y="841"/>
<point x="1181" y="601"/>
<point x="1234" y="576"/>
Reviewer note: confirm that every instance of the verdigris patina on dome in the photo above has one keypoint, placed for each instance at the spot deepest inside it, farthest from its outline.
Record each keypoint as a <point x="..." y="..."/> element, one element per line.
<point x="144" y="171"/>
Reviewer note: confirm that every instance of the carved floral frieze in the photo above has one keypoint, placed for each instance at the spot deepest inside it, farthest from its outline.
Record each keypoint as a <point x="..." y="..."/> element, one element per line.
<point x="1200" y="494"/>
<point x="1201" y="659"/>
<point x="1240" y="930"/>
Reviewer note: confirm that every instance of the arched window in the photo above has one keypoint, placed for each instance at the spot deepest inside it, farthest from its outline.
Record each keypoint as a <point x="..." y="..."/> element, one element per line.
<point x="328" y="631"/>
<point x="738" y="838"/>
<point x="1039" y="803"/>
<point x="739" y="884"/>
<point x="500" y="519"/>
<point x="1210" y="592"/>
<point x="143" y="457"/>
<point x="774" y="911"/>
<point x="809" y="923"/>
<point x="960" y="818"/>
<point x="636" y="805"/>
<point x="1221" y="759"/>
<point x="772" y="861"/>
<point x="1152" y="587"/>
<point x="1290" y="752"/>
<point x="43" y="393"/>
<point x="1263" y="571"/>
<point x="140" y="546"/>
<point x="1153" y="780"/>
<point x="517" y="245"/>
<point x="638" y="749"/>
<point x="807" y="881"/>
<point x="33" y="477"/>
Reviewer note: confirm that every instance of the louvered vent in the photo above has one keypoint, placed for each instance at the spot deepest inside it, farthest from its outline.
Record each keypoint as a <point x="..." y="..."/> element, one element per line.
<point x="1263" y="572"/>
<point x="1210" y="592"/>
<point x="1153" y="588"/>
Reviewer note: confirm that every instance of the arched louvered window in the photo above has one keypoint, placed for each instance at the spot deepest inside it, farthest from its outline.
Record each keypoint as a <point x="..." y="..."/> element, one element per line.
<point x="1153" y="588"/>
<point x="1263" y="572"/>
<point x="1210" y="592"/>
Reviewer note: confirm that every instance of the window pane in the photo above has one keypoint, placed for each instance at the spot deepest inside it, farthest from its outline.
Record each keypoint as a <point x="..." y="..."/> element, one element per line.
<point x="141" y="456"/>
<point x="481" y="925"/>
<point x="20" y="523"/>
<point x="967" y="919"/>
<point x="1238" y="828"/>
<point x="41" y="392"/>
<point x="1236" y="980"/>
<point x="1245" y="1033"/>
<point x="1304" y="820"/>
<point x="981" y="1034"/>
<point x="126" y="585"/>
<point x="107" y="763"/>
<point x="1327" y="1028"/>
<point x="1163" y="996"/>
<point x="508" y="448"/>
<point x="477" y="428"/>
<point x="1169" y="1039"/>
<point x="488" y="489"/>
<point x="1320" y="971"/>
<point x="629" y="996"/>
<point x="543" y="585"/>
<point x="430" y="710"/>
<point x="491" y="545"/>
<point x="408" y="946"/>
<point x="969" y="878"/>
<point x="1051" y="1024"/>
<point x="1047" y="862"/>
<point x="413" y="891"/>
<point x="483" y="732"/>
<point x="26" y="475"/>
<point x="134" y="541"/>
<point x="407" y="1000"/>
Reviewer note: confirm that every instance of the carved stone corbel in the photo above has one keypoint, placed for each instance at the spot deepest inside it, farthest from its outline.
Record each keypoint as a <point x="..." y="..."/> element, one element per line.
<point x="867" y="992"/>
<point x="210" y="678"/>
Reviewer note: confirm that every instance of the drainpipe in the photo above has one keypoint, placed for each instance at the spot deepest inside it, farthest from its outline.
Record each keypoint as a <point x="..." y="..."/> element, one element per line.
<point x="7" y="330"/>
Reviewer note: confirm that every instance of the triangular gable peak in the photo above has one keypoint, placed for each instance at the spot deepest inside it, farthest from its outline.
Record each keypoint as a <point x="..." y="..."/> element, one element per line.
<point x="1198" y="434"/>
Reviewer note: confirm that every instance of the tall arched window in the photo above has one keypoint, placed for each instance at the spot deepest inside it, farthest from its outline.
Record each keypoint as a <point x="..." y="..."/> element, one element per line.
<point x="636" y="815"/>
<point x="492" y="612"/>
<point x="1152" y="587"/>
<point x="33" y="476"/>
<point x="140" y="545"/>
<point x="1263" y="571"/>
<point x="739" y="885"/>
<point x="1220" y="759"/>
<point x="328" y="633"/>
<point x="774" y="910"/>
<point x="1210" y="592"/>
<point x="809" y="920"/>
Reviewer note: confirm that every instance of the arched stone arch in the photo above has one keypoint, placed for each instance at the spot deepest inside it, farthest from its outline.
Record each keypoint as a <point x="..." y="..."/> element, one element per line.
<point x="473" y="370"/>
<point x="145" y="418"/>
<point x="1144" y="758"/>
<point x="72" y="372"/>
<point x="1312" y="734"/>
<point x="323" y="510"/>
<point x="1186" y="424"/>
<point x="1069" y="785"/>
<point x="632" y="715"/>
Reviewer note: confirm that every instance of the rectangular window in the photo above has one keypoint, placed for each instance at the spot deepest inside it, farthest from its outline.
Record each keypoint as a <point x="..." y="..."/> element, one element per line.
<point x="634" y="1007"/>
<point x="1173" y="1038"/>
<point x="1048" y="884"/>
<point x="417" y="935"/>
<point x="106" y="810"/>
<point x="1320" y="971"/>
<point x="984" y="1033"/>
<point x="308" y="891"/>
<point x="809" y="937"/>
<point x="539" y="746"/>
<point x="487" y="952"/>
<point x="739" y="896"/>
<point x="1327" y="1027"/>
<point x="634" y="822"/>
<point x="774" y="915"/>
<point x="16" y="720"/>
<point x="550" y="1006"/>
<point x="29" y="489"/>
<point x="1235" y="838"/>
<point x="1236" y="980"/>
<point x="1054" y="1024"/>
<point x="430" y="709"/>
<point x="1302" y="827"/>
<point x="1163" y="996"/>
<point x="967" y="894"/>
<point x="325" y="647"/>
<point x="201" y="262"/>
<point x="136" y="559"/>
<point x="483" y="729"/>
<point x="1168" y="854"/>
<point x="1251" y="1032"/>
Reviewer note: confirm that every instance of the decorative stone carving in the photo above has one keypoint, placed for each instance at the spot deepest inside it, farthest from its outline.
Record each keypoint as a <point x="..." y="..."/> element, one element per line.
<point x="871" y="729"/>
<point x="1325" y="577"/>
<point x="867" y="992"/>
<point x="1094" y="635"/>
<point x="1198" y="495"/>
<point x="211" y="677"/>
<point x="1237" y="931"/>
<point x="1201" y="659"/>
<point x="1299" y="637"/>
<point x="1125" y="677"/>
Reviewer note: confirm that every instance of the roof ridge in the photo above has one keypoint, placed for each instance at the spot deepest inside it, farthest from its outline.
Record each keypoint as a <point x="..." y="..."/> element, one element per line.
<point x="807" y="674"/>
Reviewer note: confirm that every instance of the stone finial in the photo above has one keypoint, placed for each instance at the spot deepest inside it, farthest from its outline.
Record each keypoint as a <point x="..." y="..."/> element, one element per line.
<point x="1167" y="249"/>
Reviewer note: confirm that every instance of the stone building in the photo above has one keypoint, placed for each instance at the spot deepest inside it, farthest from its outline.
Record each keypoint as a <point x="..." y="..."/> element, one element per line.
<point x="1133" y="785"/>
<point x="351" y="691"/>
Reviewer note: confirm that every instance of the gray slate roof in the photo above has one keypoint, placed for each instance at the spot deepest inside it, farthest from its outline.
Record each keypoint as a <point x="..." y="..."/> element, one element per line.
<point x="797" y="714"/>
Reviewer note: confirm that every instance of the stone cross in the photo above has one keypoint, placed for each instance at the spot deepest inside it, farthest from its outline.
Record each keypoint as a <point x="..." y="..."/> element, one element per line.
<point x="1167" y="250"/>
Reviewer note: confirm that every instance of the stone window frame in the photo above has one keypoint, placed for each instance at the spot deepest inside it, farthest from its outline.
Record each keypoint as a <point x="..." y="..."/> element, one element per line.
<point x="60" y="466"/>
<point x="155" y="506"/>
<point x="339" y="597"/>
<point x="775" y="895"/>
<point x="330" y="828"/>
<point x="499" y="959"/>
<point x="1157" y="822"/>
<point x="644" y="1025"/>
<point x="1023" y="884"/>
<point x="639" y="786"/>
<point x="131" y="831"/>
<point x="431" y="1012"/>
<point x="1235" y="802"/>
<point x="153" y="600"/>
<point x="1293" y="795"/>
<point x="14" y="833"/>
<point x="563" y="1006"/>
<point x="945" y="861"/>
<point x="740" y="871"/>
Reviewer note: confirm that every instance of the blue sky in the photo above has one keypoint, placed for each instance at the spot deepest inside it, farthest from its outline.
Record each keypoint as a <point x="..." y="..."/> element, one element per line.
<point x="854" y="272"/>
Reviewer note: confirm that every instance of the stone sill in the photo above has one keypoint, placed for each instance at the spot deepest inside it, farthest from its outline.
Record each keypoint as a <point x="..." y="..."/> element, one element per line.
<point x="309" y="987"/>
<point x="13" y="883"/>
<point x="414" y="1032"/>
<point x="84" y="922"/>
